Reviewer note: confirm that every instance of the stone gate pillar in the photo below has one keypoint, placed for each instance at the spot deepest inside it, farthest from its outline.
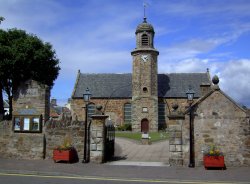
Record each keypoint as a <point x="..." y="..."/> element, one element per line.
<point x="175" y="139"/>
<point x="97" y="138"/>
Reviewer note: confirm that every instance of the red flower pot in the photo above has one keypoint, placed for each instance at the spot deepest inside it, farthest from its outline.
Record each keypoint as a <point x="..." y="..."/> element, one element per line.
<point x="214" y="161"/>
<point x="63" y="155"/>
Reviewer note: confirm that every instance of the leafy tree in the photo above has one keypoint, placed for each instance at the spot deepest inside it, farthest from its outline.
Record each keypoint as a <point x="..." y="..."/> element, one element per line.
<point x="24" y="56"/>
<point x="1" y="19"/>
<point x="1" y="93"/>
<point x="1" y="103"/>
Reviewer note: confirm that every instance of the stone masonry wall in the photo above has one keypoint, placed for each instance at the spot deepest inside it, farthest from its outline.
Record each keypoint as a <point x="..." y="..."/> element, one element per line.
<point x="57" y="131"/>
<point x="20" y="145"/>
<point x="97" y="139"/>
<point x="32" y="96"/>
<point x="175" y="139"/>
<point x="114" y="108"/>
<point x="40" y="145"/>
<point x="186" y="140"/>
<point x="32" y="100"/>
<point x="151" y="114"/>
<point x="220" y="122"/>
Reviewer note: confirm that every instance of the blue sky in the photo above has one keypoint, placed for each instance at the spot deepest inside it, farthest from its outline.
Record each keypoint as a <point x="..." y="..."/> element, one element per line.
<point x="97" y="36"/>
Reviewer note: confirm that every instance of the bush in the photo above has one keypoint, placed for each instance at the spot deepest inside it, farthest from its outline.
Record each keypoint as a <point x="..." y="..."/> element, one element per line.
<point x="128" y="127"/>
<point x="125" y="127"/>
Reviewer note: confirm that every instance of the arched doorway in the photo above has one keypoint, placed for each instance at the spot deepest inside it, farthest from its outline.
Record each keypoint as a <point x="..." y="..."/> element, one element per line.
<point x="144" y="125"/>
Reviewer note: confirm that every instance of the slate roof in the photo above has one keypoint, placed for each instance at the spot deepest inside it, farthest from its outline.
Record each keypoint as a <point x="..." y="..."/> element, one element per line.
<point x="173" y="85"/>
<point x="144" y="26"/>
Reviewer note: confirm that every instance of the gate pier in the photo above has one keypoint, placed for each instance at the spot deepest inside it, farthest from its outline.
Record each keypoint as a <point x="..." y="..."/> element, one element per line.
<point x="97" y="138"/>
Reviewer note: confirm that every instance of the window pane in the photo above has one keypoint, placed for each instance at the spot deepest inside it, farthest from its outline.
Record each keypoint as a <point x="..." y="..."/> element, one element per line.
<point x="127" y="113"/>
<point x="17" y="125"/>
<point x="35" y="125"/>
<point x="161" y="112"/>
<point x="26" y="124"/>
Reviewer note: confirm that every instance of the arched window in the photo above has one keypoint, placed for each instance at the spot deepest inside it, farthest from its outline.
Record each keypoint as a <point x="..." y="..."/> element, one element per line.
<point x="91" y="110"/>
<point x="144" y="40"/>
<point x="127" y="113"/>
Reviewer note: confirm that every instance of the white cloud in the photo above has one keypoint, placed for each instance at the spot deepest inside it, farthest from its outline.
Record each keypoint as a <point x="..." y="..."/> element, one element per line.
<point x="198" y="8"/>
<point x="234" y="75"/>
<point x="235" y="80"/>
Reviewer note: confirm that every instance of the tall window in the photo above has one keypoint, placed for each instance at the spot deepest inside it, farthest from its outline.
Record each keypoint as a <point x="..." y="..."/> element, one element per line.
<point x="91" y="110"/>
<point x="161" y="116"/>
<point x="127" y="113"/>
<point x="144" y="40"/>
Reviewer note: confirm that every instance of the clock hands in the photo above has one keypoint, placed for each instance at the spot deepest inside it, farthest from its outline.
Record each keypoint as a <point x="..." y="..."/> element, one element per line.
<point x="144" y="58"/>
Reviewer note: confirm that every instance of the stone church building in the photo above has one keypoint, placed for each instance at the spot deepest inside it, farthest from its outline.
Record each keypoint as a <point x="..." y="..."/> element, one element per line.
<point x="144" y="97"/>
<point x="150" y="101"/>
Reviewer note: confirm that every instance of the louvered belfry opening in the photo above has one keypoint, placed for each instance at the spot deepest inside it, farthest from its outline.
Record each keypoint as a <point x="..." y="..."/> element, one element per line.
<point x="144" y="40"/>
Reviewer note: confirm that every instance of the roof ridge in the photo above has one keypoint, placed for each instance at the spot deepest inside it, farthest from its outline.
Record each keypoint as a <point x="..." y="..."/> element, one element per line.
<point x="104" y="73"/>
<point x="201" y="99"/>
<point x="76" y="83"/>
<point x="185" y="73"/>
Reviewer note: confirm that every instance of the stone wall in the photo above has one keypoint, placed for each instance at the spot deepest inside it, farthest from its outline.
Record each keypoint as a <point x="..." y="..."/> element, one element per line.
<point x="32" y="98"/>
<point x="113" y="108"/>
<point x="56" y="132"/>
<point x="97" y="139"/>
<point x="150" y="113"/>
<point x="221" y="122"/>
<point x="175" y="139"/>
<point x="40" y="145"/>
<point x="20" y="145"/>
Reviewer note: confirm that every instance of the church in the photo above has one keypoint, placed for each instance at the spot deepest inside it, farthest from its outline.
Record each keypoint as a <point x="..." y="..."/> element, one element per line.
<point x="146" y="100"/>
<point x="143" y="98"/>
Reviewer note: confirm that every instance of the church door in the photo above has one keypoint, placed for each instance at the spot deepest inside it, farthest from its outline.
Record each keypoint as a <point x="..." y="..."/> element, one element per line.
<point x="144" y="126"/>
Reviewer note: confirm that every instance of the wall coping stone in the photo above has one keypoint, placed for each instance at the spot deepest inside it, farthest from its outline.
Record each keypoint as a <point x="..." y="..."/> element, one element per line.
<point x="99" y="116"/>
<point x="176" y="116"/>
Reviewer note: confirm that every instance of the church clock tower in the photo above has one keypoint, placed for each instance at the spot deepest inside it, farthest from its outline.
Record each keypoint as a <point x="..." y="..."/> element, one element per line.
<point x="144" y="80"/>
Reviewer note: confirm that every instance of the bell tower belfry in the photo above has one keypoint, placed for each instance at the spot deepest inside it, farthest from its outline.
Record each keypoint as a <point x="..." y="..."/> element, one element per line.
<point x="144" y="80"/>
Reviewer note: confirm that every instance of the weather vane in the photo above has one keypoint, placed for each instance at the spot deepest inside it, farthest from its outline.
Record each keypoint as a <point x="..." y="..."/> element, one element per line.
<point x="144" y="8"/>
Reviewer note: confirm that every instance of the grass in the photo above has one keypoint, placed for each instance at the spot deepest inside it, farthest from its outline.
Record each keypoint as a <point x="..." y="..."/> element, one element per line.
<point x="154" y="136"/>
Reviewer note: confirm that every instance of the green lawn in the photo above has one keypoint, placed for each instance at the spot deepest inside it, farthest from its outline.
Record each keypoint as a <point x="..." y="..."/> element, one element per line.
<point x="154" y="136"/>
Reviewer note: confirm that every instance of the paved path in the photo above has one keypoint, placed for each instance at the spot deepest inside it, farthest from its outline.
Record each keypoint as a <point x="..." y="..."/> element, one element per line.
<point x="131" y="151"/>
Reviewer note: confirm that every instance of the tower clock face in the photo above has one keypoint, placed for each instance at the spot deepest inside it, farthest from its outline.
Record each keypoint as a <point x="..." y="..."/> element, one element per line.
<point x="144" y="58"/>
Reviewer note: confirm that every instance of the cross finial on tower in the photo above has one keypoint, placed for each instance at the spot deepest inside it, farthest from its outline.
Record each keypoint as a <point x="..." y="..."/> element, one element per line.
<point x="144" y="8"/>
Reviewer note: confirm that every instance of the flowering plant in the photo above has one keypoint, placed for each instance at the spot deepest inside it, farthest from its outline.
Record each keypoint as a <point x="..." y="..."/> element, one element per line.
<point x="213" y="151"/>
<point x="66" y="145"/>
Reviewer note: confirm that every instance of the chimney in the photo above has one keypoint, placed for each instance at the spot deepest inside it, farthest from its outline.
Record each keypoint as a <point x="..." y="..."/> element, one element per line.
<point x="53" y="102"/>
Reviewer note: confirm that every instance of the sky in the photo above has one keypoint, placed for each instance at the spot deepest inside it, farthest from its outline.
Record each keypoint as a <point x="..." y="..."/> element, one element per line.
<point x="97" y="36"/>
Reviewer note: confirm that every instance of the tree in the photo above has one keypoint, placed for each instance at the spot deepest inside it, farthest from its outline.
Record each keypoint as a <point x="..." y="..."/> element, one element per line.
<point x="1" y="93"/>
<point x="1" y="19"/>
<point x="1" y="103"/>
<point x="24" y="56"/>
